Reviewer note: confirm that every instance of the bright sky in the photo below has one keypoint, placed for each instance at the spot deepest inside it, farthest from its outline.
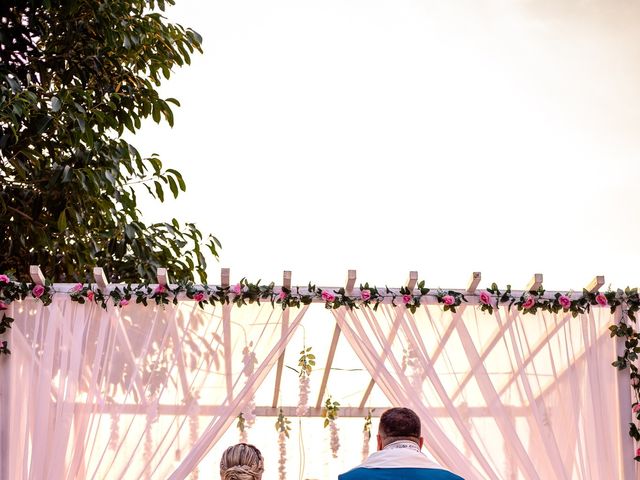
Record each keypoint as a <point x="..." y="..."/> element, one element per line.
<point x="388" y="136"/>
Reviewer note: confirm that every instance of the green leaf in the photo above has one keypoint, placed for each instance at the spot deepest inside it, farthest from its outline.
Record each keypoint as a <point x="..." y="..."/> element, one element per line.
<point x="66" y="174"/>
<point x="173" y="186"/>
<point x="159" y="191"/>
<point x="62" y="222"/>
<point x="55" y="104"/>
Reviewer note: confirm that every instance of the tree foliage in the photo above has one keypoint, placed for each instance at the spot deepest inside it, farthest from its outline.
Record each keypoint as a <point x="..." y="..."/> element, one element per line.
<point x="74" y="75"/>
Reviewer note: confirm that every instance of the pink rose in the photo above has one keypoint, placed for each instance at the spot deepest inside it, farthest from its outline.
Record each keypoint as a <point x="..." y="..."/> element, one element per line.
<point x="564" y="301"/>
<point x="406" y="298"/>
<point x="160" y="289"/>
<point x="4" y="279"/>
<point x="123" y="303"/>
<point x="635" y="381"/>
<point x="237" y="289"/>
<point x="602" y="299"/>
<point x="282" y="295"/>
<point x="90" y="295"/>
<point x="76" y="288"/>
<point x="200" y="296"/>
<point x="3" y="306"/>
<point x="365" y="295"/>
<point x="638" y="453"/>
<point x="528" y="303"/>
<point x="37" y="291"/>
<point x="636" y="408"/>
<point x="485" y="298"/>
<point x="328" y="297"/>
<point x="448" y="300"/>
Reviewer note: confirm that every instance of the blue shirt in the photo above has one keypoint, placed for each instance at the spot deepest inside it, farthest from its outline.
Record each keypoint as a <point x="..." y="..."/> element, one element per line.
<point x="361" y="473"/>
<point x="400" y="460"/>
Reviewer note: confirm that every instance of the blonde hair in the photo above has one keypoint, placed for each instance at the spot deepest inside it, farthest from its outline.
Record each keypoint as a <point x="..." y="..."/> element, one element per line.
<point x="241" y="462"/>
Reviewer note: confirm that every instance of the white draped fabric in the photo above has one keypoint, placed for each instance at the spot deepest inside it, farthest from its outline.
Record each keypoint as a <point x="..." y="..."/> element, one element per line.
<point x="502" y="396"/>
<point x="138" y="392"/>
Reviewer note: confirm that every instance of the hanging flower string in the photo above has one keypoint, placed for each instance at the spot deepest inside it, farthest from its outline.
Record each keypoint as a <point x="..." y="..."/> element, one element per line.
<point x="194" y="430"/>
<point x="249" y="362"/>
<point x="366" y="435"/>
<point x="245" y="292"/>
<point x="412" y="367"/>
<point x="114" y="435"/>
<point x="330" y="415"/>
<point x="306" y="363"/>
<point x="283" y="427"/>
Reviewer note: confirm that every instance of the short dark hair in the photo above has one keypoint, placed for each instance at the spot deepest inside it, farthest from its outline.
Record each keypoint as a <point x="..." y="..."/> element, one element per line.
<point x="400" y="423"/>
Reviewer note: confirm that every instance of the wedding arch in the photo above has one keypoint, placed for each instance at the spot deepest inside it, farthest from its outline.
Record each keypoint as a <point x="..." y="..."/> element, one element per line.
<point x="141" y="381"/>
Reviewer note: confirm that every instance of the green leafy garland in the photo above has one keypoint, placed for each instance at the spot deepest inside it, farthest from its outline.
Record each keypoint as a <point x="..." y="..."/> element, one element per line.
<point x="245" y="292"/>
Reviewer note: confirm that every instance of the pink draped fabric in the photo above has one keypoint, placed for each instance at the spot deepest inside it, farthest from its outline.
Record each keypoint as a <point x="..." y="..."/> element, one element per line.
<point x="502" y="396"/>
<point x="136" y="392"/>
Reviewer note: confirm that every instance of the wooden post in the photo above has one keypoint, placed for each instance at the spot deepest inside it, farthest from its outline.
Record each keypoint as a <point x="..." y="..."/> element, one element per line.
<point x="473" y="283"/>
<point x="100" y="278"/>
<point x="412" y="280"/>
<point x="226" y="334"/>
<point x="535" y="283"/>
<point x="163" y="276"/>
<point x="224" y="277"/>
<point x="286" y="282"/>
<point x="626" y="464"/>
<point x="5" y="397"/>
<point x="595" y="284"/>
<point x="36" y="275"/>
<point x="351" y="281"/>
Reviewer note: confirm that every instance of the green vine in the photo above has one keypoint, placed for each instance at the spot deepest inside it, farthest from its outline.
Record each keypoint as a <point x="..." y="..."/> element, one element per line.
<point x="330" y="411"/>
<point x="368" y="424"/>
<point x="283" y="424"/>
<point x="306" y="362"/>
<point x="242" y="423"/>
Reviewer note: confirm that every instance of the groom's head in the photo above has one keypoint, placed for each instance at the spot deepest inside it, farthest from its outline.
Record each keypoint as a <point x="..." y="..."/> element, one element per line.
<point x="399" y="424"/>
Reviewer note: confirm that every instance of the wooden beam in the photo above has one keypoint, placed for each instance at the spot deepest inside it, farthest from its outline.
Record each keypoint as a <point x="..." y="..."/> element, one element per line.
<point x="163" y="276"/>
<point x="367" y="393"/>
<point x="100" y="278"/>
<point x="327" y="368"/>
<point x="542" y="343"/>
<point x="486" y="351"/>
<point x="534" y="283"/>
<point x="390" y="338"/>
<point x="226" y="339"/>
<point x="36" y="274"/>
<point x="289" y="411"/>
<point x="286" y="282"/>
<point x="351" y="281"/>
<point x="224" y="277"/>
<point x="412" y="280"/>
<point x="595" y="284"/>
<point x="473" y="283"/>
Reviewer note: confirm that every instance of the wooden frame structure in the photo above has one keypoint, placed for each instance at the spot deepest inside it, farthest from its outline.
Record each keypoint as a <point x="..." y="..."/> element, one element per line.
<point x="272" y="410"/>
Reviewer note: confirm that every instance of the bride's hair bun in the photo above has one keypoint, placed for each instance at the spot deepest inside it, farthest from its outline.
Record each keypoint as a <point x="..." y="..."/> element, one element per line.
<point x="241" y="462"/>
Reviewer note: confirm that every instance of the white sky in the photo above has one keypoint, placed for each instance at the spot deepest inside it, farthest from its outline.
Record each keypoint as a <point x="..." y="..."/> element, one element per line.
<point x="388" y="136"/>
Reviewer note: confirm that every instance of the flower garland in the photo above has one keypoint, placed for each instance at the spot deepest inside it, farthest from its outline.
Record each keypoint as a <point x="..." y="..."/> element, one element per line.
<point x="330" y="415"/>
<point x="283" y="427"/>
<point x="306" y="363"/>
<point x="244" y="293"/>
